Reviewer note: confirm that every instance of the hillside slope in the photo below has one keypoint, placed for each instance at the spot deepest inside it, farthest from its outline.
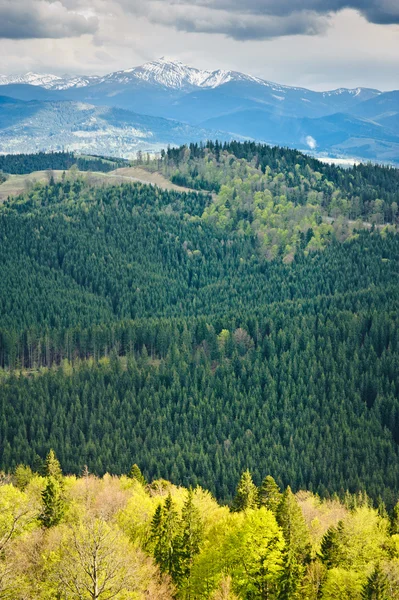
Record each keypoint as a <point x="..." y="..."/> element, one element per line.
<point x="133" y="325"/>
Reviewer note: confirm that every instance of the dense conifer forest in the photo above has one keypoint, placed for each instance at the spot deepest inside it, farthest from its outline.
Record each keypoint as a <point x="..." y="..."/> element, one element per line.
<point x="85" y="537"/>
<point x="21" y="164"/>
<point x="135" y="325"/>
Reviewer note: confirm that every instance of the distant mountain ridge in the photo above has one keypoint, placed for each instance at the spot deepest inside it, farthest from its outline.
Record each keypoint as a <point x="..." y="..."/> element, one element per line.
<point x="171" y="74"/>
<point x="84" y="128"/>
<point x="359" y="123"/>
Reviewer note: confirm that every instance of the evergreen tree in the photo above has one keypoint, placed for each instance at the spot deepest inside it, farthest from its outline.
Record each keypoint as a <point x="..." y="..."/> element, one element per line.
<point x="246" y="493"/>
<point x="291" y="578"/>
<point x="269" y="494"/>
<point x="331" y="546"/>
<point x="395" y="519"/>
<point x="53" y="503"/>
<point x="298" y="546"/>
<point x="52" y="466"/>
<point x="376" y="587"/>
<point x="191" y="538"/>
<point x="135" y="473"/>
<point x="292" y="522"/>
<point x="166" y="539"/>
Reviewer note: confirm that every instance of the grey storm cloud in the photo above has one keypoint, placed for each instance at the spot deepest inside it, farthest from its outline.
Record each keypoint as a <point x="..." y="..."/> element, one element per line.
<point x="29" y="19"/>
<point x="237" y="19"/>
<point x="258" y="19"/>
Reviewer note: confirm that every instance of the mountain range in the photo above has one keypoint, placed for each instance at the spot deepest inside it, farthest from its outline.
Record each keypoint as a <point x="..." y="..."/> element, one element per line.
<point x="360" y="123"/>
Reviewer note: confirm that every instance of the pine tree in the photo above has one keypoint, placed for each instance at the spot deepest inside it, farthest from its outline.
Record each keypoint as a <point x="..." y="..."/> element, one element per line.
<point x="135" y="473"/>
<point x="376" y="587"/>
<point x="52" y="466"/>
<point x="269" y="494"/>
<point x="53" y="503"/>
<point x="246" y="494"/>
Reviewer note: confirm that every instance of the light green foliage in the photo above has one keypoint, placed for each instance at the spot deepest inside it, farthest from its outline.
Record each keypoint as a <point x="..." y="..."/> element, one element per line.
<point x="255" y="555"/>
<point x="341" y="584"/>
<point x="118" y="540"/>
<point x="22" y="476"/>
<point x="362" y="539"/>
<point x="17" y="514"/>
<point x="52" y="466"/>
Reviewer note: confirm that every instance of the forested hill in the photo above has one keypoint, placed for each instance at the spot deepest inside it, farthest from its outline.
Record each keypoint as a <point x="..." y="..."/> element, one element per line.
<point x="135" y="327"/>
<point x="21" y="164"/>
<point x="279" y="194"/>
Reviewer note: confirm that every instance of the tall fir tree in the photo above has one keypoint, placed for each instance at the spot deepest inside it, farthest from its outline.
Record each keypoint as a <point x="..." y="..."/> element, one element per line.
<point x="53" y="503"/>
<point x="135" y="473"/>
<point x="246" y="494"/>
<point x="52" y="466"/>
<point x="269" y="494"/>
<point x="298" y="546"/>
<point x="376" y="587"/>
<point x="166" y="541"/>
<point x="192" y="531"/>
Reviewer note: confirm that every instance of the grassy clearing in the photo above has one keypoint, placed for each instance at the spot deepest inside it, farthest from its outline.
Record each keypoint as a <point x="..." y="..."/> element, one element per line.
<point x="18" y="184"/>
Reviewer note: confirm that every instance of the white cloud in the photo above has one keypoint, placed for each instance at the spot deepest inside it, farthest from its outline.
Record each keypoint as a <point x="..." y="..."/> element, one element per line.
<point x="311" y="142"/>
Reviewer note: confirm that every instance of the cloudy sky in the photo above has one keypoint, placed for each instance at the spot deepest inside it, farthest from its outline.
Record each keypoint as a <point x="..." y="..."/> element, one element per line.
<point x="321" y="44"/>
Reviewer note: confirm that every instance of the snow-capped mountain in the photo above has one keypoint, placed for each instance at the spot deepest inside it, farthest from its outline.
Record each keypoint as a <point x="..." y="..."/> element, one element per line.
<point x="171" y="74"/>
<point x="48" y="81"/>
<point x="361" y="121"/>
<point x="176" y="75"/>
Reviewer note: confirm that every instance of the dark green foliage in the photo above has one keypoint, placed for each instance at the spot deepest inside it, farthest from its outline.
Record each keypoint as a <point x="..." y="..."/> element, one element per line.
<point x="165" y="529"/>
<point x="330" y="551"/>
<point x="135" y="473"/>
<point x="20" y="164"/>
<point x="246" y="494"/>
<point x="205" y="359"/>
<point x="298" y="545"/>
<point x="269" y="494"/>
<point x="376" y="587"/>
<point x="191" y="539"/>
<point x="292" y="522"/>
<point x="53" y="503"/>
<point x="395" y="519"/>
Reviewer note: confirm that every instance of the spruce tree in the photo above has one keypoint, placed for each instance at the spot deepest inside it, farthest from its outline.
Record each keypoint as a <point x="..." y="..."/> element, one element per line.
<point x="395" y="519"/>
<point x="135" y="473"/>
<point x="269" y="494"/>
<point x="330" y="546"/>
<point x="376" y="587"/>
<point x="246" y="494"/>
<point x="191" y="537"/>
<point x="52" y="466"/>
<point x="166" y="540"/>
<point x="53" y="503"/>
<point x="298" y="546"/>
<point x="291" y="521"/>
